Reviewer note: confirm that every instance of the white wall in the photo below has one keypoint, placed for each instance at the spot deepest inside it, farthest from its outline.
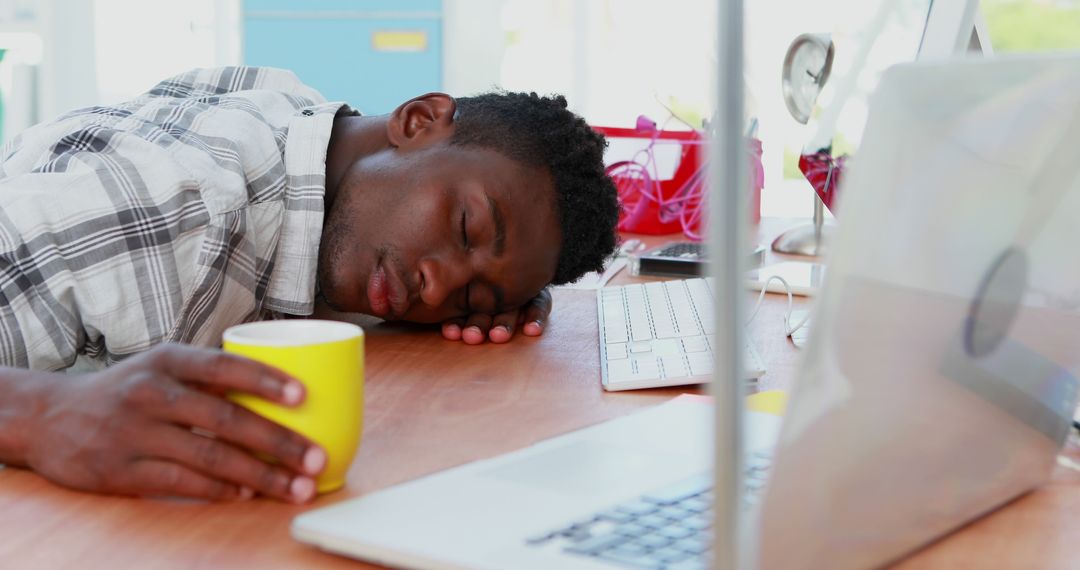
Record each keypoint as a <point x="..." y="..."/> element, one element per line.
<point x="141" y="42"/>
<point x="614" y="59"/>
<point x="473" y="41"/>
<point x="67" y="76"/>
<point x="101" y="51"/>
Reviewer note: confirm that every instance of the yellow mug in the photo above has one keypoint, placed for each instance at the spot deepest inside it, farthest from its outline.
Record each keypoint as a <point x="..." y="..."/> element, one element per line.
<point x="328" y="357"/>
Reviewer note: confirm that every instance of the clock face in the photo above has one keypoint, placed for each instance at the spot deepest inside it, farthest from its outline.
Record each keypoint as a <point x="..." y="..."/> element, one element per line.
<point x="806" y="68"/>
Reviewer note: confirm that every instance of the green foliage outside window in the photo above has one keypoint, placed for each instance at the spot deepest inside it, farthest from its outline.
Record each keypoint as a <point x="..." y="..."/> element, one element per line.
<point x="1032" y="25"/>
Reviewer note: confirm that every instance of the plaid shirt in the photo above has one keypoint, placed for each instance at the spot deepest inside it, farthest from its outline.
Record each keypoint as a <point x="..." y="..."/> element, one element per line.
<point x="194" y="207"/>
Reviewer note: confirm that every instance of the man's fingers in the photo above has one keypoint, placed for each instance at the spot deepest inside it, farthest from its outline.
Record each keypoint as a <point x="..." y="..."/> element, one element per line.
<point x="536" y="314"/>
<point x="214" y="368"/>
<point x="239" y="425"/>
<point x="476" y="328"/>
<point x="160" y="478"/>
<point x="451" y="329"/>
<point x="221" y="461"/>
<point x="502" y="326"/>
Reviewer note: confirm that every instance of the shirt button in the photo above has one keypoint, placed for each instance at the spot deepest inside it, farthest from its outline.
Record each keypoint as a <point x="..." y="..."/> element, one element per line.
<point x="307" y="112"/>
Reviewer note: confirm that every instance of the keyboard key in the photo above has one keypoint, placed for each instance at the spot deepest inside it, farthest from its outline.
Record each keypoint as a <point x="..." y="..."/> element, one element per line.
<point x="616" y="516"/>
<point x="696" y="523"/>
<point x="597" y="544"/>
<point x="688" y="564"/>
<point x="652" y="541"/>
<point x="617" y="351"/>
<point x="640" y="346"/>
<point x="696" y="504"/>
<point x="541" y="538"/>
<point x="685" y="320"/>
<point x="661" y="316"/>
<point x="620" y="369"/>
<point x="646" y="367"/>
<point x="616" y="334"/>
<point x="701" y="363"/>
<point x="653" y="521"/>
<point x="674" y="512"/>
<point x="674" y="366"/>
<point x="696" y="544"/>
<point x="632" y="529"/>
<point x="702" y="298"/>
<point x="637" y="508"/>
<point x="668" y="555"/>
<point x="675" y="532"/>
<point x="665" y="328"/>
<point x="695" y="344"/>
<point x="666" y="347"/>
<point x="616" y="320"/>
<point x="681" y="490"/>
<point x="699" y="291"/>
<point x="577" y="535"/>
<point x="629" y="549"/>
<point x="638" y="312"/>
<point x="629" y="561"/>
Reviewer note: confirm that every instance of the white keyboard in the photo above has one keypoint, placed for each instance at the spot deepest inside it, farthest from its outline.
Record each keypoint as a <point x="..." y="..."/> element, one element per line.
<point x="660" y="334"/>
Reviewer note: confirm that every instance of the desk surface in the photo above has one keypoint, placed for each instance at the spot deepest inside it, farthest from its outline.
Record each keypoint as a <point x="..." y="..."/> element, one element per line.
<point x="424" y="416"/>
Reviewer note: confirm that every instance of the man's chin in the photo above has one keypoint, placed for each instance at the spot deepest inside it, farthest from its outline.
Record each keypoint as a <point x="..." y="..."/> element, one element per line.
<point x="337" y="306"/>
<point x="424" y="319"/>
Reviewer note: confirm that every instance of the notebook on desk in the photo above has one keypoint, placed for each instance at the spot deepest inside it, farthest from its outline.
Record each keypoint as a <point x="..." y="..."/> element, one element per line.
<point x="939" y="383"/>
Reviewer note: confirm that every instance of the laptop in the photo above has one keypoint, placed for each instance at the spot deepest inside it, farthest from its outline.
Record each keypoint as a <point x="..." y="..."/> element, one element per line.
<point x="939" y="383"/>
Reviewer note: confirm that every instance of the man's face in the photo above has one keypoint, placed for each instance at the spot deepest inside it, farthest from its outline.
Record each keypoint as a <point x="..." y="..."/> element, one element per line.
<point x="438" y="232"/>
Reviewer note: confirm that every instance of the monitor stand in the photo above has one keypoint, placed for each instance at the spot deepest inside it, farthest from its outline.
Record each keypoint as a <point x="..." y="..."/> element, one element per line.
<point x="810" y="239"/>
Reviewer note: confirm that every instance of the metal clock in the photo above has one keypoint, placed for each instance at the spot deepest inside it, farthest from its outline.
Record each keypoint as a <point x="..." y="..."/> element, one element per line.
<point x="806" y="68"/>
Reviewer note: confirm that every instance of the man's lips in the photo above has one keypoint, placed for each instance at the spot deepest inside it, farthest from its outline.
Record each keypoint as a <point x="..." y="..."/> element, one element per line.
<point x="386" y="295"/>
<point x="378" y="292"/>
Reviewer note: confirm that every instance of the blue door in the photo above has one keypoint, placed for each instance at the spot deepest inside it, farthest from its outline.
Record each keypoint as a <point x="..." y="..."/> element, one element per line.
<point x="373" y="54"/>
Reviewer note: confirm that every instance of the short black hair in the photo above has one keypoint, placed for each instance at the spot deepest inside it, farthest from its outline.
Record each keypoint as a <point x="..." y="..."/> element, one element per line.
<point x="541" y="131"/>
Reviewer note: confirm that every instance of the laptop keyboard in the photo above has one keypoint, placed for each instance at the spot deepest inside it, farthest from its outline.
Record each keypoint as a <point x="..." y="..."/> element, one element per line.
<point x="666" y="529"/>
<point x="684" y="250"/>
<point x="660" y="334"/>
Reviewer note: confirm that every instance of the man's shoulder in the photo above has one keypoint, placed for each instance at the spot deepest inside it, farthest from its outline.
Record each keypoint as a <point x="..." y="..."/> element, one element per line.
<point x="210" y="81"/>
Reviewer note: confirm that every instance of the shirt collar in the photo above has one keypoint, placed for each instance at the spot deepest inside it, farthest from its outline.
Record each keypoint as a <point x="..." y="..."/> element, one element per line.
<point x="292" y="283"/>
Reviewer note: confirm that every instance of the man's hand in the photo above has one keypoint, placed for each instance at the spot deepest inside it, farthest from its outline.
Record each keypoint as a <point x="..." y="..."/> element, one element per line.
<point x="127" y="430"/>
<point x="500" y="328"/>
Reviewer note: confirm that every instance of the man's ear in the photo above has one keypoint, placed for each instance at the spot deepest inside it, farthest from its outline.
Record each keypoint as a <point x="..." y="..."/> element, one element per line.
<point x="422" y="120"/>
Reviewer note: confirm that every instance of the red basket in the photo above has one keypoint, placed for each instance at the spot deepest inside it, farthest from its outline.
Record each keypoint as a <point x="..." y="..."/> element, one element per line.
<point x="643" y="215"/>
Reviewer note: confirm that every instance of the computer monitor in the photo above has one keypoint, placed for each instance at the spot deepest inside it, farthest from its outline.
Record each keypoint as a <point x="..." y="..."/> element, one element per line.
<point x="870" y="37"/>
<point x="876" y="37"/>
<point x="954" y="27"/>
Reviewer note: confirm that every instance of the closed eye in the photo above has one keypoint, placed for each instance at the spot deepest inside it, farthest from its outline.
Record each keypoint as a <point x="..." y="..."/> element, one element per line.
<point x="464" y="234"/>
<point x="465" y="242"/>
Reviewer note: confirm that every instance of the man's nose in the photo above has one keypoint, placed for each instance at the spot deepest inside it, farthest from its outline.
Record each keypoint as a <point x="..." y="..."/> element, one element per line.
<point x="442" y="278"/>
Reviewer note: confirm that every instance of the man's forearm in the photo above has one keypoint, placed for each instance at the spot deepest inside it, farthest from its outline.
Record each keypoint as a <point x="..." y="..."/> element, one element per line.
<point x="22" y="400"/>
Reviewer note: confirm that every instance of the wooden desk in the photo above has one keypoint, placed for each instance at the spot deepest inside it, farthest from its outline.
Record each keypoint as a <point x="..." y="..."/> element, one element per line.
<point x="433" y="404"/>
